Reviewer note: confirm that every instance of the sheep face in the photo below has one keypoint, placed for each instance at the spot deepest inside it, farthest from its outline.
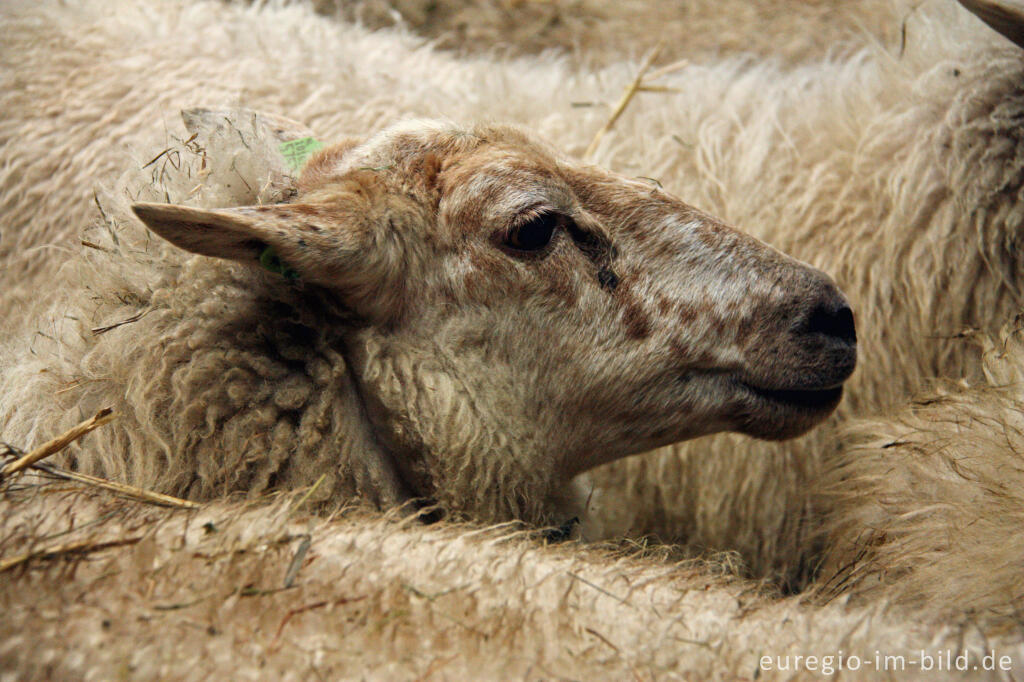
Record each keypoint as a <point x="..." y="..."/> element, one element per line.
<point x="520" y="311"/>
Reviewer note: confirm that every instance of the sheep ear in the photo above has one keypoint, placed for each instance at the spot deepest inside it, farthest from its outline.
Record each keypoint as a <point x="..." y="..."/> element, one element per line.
<point x="295" y="240"/>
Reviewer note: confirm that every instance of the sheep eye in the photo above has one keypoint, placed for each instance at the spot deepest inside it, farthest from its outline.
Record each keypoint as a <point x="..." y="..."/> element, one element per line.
<point x="533" y="234"/>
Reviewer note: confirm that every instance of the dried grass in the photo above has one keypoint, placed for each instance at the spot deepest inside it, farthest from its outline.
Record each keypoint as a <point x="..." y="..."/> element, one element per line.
<point x="52" y="447"/>
<point x="34" y="458"/>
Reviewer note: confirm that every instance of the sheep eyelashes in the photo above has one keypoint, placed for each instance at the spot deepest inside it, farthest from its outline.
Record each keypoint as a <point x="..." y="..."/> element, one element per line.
<point x="513" y="318"/>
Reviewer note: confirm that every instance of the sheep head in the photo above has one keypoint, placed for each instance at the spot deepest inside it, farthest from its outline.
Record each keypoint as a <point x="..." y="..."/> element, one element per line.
<point x="520" y="318"/>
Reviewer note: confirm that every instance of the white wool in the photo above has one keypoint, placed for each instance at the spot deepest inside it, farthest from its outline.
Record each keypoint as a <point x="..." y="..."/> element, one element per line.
<point x="878" y="168"/>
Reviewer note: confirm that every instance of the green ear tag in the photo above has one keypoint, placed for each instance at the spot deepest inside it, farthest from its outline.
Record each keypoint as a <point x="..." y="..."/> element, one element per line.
<point x="296" y="152"/>
<point x="272" y="262"/>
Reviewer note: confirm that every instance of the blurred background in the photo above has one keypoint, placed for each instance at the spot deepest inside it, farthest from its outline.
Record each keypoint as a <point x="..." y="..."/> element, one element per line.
<point x="601" y="31"/>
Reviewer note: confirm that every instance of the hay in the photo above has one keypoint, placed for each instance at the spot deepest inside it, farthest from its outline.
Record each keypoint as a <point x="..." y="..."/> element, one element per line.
<point x="54" y="446"/>
<point x="34" y="458"/>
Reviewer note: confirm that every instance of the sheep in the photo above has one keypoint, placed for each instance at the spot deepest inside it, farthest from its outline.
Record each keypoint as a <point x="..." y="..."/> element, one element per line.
<point x="852" y="147"/>
<point x="870" y="130"/>
<point x="477" y="321"/>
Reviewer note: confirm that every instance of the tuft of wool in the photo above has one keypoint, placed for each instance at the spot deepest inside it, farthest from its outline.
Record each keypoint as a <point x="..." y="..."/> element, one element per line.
<point x="925" y="505"/>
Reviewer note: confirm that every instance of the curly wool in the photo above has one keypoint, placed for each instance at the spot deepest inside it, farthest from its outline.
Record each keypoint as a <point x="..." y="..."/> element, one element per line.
<point x="229" y="392"/>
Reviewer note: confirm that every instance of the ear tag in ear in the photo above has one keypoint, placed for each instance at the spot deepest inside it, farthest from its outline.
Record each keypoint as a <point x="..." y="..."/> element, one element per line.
<point x="296" y="152"/>
<point x="269" y="260"/>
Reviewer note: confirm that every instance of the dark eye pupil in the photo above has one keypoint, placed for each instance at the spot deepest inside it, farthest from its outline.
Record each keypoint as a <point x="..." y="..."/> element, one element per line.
<point x="534" y="234"/>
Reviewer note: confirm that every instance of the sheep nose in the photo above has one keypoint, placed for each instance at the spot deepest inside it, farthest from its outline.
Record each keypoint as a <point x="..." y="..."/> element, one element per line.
<point x="832" y="319"/>
<point x="825" y="336"/>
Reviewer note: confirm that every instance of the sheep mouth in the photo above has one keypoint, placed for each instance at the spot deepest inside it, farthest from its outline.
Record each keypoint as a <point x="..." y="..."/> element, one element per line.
<point x="815" y="400"/>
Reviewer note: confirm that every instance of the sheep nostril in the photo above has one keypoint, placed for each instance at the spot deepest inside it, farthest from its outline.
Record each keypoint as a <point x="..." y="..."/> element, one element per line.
<point x="831" y="322"/>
